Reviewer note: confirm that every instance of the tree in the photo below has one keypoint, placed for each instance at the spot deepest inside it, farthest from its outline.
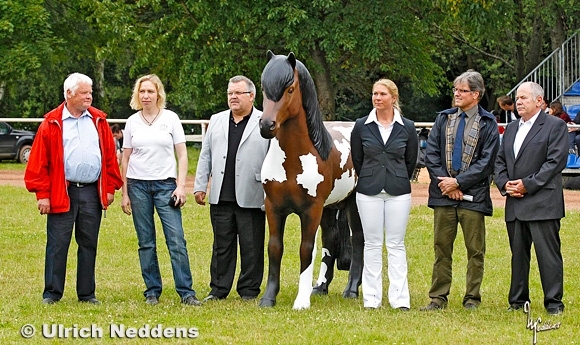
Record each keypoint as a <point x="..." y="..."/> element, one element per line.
<point x="26" y="40"/>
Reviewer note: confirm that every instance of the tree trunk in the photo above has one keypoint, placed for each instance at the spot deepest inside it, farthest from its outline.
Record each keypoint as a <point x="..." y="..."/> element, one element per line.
<point x="100" y="79"/>
<point x="323" y="82"/>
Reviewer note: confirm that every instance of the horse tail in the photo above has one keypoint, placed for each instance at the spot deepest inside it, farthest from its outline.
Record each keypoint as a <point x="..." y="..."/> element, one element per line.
<point x="344" y="250"/>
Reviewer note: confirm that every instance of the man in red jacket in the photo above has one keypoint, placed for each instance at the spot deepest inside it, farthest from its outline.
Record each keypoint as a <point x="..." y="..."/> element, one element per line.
<point x="74" y="172"/>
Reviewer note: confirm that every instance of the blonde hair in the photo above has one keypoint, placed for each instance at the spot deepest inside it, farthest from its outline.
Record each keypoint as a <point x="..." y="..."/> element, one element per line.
<point x="393" y="90"/>
<point x="161" y="96"/>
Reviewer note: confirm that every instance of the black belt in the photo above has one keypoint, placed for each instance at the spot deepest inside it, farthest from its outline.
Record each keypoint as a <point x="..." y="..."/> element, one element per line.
<point x="81" y="184"/>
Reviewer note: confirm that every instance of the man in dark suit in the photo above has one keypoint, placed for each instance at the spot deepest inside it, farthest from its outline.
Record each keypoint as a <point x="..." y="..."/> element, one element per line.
<point x="528" y="172"/>
<point x="509" y="111"/>
<point x="460" y="157"/>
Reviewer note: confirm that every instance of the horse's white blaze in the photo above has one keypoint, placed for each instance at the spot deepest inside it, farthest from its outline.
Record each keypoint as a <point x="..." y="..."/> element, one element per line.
<point x="302" y="300"/>
<point x="310" y="177"/>
<point x="272" y="169"/>
<point x="323" y="268"/>
<point x="343" y="186"/>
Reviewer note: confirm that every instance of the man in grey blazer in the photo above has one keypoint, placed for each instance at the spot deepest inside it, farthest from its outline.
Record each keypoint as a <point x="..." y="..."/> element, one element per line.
<point x="231" y="155"/>
<point x="528" y="172"/>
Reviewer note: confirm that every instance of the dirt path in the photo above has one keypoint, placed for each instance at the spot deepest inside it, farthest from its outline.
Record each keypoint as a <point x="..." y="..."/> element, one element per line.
<point x="419" y="189"/>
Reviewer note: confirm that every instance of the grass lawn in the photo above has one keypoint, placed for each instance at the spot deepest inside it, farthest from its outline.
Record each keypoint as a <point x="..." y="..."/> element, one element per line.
<point x="330" y="320"/>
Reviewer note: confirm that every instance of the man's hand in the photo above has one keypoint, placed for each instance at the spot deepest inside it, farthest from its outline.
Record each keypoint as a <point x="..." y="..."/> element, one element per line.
<point x="515" y="188"/>
<point x="110" y="198"/>
<point x="447" y="184"/>
<point x="200" y="198"/>
<point x="43" y="205"/>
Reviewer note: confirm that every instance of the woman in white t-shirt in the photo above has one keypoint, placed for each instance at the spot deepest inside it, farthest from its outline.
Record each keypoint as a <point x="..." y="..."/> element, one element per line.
<point x="153" y="182"/>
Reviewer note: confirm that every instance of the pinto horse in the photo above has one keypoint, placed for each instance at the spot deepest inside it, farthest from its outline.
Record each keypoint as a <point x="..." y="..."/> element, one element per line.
<point x="308" y="171"/>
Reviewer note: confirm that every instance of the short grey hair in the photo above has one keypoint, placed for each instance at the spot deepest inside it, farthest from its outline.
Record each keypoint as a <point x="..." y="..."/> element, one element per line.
<point x="249" y="83"/>
<point x="72" y="82"/>
<point x="474" y="80"/>
<point x="535" y="88"/>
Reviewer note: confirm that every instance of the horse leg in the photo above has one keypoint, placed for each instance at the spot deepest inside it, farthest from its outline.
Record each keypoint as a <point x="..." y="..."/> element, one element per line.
<point x="276" y="223"/>
<point x="358" y="241"/>
<point x="309" y="221"/>
<point x="329" y="249"/>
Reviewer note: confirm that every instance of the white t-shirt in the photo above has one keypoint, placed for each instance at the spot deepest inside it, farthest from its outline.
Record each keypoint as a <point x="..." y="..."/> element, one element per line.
<point x="153" y="156"/>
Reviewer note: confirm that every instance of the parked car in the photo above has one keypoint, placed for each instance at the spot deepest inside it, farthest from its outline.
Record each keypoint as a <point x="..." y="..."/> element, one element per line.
<point x="14" y="143"/>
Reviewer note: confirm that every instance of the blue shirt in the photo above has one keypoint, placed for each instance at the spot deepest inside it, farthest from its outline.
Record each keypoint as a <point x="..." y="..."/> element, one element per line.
<point x="82" y="154"/>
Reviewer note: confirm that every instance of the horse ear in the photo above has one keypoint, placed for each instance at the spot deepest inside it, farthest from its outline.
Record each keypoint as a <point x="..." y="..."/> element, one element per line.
<point x="270" y="55"/>
<point x="292" y="60"/>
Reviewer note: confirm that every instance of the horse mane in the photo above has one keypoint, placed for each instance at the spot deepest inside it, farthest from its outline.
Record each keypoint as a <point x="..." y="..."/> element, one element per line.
<point x="279" y="75"/>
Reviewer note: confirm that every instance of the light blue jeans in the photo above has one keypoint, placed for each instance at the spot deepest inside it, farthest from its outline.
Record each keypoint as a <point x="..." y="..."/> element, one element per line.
<point x="145" y="196"/>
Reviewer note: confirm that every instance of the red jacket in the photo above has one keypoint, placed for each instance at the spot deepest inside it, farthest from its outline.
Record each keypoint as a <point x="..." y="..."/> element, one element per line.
<point x="44" y="173"/>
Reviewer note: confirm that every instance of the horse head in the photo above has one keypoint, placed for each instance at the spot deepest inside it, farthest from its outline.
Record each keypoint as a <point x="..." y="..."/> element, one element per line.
<point x="282" y="95"/>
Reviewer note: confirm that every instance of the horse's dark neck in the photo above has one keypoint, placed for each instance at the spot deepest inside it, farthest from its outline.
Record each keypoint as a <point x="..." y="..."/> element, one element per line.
<point x="320" y="138"/>
<point x="293" y="135"/>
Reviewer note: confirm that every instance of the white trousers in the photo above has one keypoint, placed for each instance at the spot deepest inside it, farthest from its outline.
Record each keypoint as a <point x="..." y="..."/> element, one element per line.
<point x="384" y="216"/>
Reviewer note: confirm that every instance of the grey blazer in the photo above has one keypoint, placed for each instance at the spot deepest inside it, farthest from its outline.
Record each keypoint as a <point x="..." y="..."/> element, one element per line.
<point x="539" y="164"/>
<point x="249" y="159"/>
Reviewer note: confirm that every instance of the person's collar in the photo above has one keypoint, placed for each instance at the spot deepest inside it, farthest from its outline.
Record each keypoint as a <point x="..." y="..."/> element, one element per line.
<point x="396" y="118"/>
<point x="66" y="114"/>
<point x="469" y="112"/>
<point x="532" y="120"/>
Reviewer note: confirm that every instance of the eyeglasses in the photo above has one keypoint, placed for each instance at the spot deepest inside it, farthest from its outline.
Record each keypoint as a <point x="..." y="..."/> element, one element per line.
<point x="460" y="90"/>
<point x="237" y="93"/>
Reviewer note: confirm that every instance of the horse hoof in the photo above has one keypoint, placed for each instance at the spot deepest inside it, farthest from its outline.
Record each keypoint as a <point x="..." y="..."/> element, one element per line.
<point x="267" y="303"/>
<point x="350" y="294"/>
<point x="321" y="289"/>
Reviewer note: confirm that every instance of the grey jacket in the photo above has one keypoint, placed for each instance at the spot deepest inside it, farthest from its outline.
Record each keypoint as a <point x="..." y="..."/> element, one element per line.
<point x="249" y="159"/>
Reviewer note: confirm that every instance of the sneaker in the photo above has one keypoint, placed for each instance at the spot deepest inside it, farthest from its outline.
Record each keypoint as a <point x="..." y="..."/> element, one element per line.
<point x="152" y="300"/>
<point x="191" y="300"/>
<point x="555" y="311"/>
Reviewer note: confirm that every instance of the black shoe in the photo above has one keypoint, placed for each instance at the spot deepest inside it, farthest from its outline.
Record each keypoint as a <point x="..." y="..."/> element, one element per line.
<point x="403" y="309"/>
<point x="49" y="300"/>
<point x="212" y="298"/>
<point x="191" y="300"/>
<point x="248" y="298"/>
<point x="432" y="306"/>
<point x="470" y="306"/>
<point x="90" y="301"/>
<point x="516" y="307"/>
<point x="151" y="300"/>
<point x="555" y="311"/>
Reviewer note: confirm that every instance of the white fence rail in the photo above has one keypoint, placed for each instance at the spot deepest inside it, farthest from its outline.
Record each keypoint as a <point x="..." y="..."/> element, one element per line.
<point x="198" y="138"/>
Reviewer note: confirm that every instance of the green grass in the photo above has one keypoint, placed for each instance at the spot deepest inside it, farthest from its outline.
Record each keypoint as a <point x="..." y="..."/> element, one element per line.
<point x="330" y="320"/>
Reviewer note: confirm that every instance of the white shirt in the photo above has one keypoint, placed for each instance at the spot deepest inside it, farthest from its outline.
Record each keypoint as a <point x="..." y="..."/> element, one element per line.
<point x="385" y="131"/>
<point x="153" y="155"/>
<point x="523" y="130"/>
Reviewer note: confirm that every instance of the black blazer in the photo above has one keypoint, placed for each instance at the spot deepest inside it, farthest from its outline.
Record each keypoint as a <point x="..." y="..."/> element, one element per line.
<point x="384" y="166"/>
<point x="539" y="164"/>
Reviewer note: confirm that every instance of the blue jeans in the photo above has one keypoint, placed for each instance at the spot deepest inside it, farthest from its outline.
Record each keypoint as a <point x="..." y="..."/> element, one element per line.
<point x="146" y="195"/>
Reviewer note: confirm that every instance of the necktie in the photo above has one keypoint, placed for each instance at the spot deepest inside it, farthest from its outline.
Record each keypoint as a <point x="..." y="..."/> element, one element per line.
<point x="458" y="144"/>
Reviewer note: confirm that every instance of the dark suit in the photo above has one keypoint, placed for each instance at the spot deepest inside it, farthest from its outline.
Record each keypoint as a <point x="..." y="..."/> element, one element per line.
<point x="535" y="217"/>
<point x="384" y="166"/>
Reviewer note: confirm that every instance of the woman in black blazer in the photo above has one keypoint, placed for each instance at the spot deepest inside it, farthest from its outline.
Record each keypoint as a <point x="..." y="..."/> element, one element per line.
<point x="384" y="152"/>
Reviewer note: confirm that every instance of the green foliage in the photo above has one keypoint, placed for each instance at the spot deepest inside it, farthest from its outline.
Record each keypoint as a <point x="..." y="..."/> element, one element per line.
<point x="196" y="46"/>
